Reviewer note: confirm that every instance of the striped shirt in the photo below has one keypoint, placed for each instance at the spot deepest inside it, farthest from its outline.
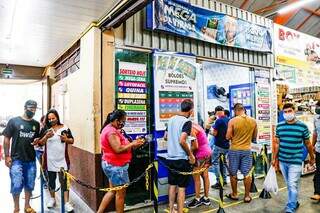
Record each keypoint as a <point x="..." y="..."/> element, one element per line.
<point x="291" y="137"/>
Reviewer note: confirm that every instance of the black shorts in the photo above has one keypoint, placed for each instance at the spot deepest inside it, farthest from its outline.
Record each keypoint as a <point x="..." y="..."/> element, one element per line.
<point x="177" y="179"/>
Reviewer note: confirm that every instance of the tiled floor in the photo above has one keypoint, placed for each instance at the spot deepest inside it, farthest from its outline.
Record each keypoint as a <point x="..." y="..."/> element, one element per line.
<point x="274" y="205"/>
<point x="6" y="202"/>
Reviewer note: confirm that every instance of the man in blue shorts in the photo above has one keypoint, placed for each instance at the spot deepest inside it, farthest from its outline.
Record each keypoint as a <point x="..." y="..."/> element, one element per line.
<point x="242" y="130"/>
<point x="21" y="132"/>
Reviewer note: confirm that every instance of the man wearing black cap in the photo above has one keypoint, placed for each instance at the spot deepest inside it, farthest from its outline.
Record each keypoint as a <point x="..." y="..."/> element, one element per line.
<point x="221" y="145"/>
<point x="22" y="131"/>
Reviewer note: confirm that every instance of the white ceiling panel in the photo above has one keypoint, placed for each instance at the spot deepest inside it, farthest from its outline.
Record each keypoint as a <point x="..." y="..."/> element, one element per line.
<point x="34" y="32"/>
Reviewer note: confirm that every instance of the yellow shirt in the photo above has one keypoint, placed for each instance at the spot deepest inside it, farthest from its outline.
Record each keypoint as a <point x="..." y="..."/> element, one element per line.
<point x="243" y="130"/>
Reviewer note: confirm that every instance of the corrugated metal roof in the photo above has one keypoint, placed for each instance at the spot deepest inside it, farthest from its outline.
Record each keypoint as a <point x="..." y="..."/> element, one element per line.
<point x="306" y="19"/>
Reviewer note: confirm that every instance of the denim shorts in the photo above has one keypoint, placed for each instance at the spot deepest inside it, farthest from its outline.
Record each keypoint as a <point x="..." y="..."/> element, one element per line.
<point x="118" y="175"/>
<point x="22" y="175"/>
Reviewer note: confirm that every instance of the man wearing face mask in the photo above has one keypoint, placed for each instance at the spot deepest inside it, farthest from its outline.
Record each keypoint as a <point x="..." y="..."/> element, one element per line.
<point x="22" y="131"/>
<point x="291" y="136"/>
<point x="316" y="144"/>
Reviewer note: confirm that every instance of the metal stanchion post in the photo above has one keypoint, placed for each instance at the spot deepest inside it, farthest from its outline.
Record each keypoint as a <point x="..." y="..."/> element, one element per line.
<point x="41" y="191"/>
<point x="62" y="180"/>
<point x="253" y="188"/>
<point x="155" y="191"/>
<point x="221" y="160"/>
<point x="264" y="194"/>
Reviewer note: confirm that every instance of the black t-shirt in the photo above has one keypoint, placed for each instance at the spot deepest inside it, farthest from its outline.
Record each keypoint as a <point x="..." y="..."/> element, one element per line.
<point x="187" y="127"/>
<point x="23" y="133"/>
<point x="221" y="126"/>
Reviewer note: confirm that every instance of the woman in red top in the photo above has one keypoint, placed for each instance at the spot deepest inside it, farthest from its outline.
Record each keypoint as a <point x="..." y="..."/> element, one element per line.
<point x="116" y="156"/>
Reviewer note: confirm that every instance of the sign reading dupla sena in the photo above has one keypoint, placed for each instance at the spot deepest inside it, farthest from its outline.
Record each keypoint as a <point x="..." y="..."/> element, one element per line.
<point x="184" y="19"/>
<point x="132" y="95"/>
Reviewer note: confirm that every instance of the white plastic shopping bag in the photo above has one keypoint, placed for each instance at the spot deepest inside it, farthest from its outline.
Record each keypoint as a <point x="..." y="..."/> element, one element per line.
<point x="270" y="183"/>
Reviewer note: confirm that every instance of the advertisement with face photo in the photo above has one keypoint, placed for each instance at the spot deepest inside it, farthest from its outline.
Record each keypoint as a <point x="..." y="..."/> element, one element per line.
<point x="191" y="21"/>
<point x="298" y="65"/>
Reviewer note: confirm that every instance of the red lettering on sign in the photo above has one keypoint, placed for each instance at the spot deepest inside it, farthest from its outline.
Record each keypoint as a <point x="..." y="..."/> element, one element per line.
<point x="288" y="35"/>
<point x="132" y="72"/>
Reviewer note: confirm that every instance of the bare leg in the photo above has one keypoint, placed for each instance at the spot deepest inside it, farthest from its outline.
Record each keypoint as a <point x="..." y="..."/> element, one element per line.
<point x="234" y="183"/>
<point x="181" y="199"/>
<point x="172" y="197"/>
<point x="52" y="194"/>
<point x="247" y="185"/>
<point x="16" y="202"/>
<point x="27" y="199"/>
<point x="206" y="182"/>
<point x="106" y="200"/>
<point x="197" y="183"/>
<point x="120" y="197"/>
<point x="66" y="196"/>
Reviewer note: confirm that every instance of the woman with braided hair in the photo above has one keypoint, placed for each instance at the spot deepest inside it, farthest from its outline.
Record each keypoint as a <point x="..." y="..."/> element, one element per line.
<point x="116" y="156"/>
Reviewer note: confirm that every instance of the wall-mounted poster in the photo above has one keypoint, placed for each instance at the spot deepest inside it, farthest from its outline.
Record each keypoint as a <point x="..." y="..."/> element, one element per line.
<point x="174" y="81"/>
<point x="132" y="95"/>
<point x="297" y="57"/>
<point x="263" y="106"/>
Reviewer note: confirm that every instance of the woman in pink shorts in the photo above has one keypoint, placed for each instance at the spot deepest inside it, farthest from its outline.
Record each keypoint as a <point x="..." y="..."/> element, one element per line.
<point x="203" y="159"/>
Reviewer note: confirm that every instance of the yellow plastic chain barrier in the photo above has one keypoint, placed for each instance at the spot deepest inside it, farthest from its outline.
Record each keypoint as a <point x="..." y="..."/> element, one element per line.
<point x="116" y="188"/>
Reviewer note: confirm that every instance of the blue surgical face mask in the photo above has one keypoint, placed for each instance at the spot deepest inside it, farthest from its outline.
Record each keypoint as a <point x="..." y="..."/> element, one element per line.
<point x="289" y="116"/>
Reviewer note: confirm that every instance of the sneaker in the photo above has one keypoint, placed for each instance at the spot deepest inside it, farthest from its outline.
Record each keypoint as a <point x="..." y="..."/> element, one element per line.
<point x="194" y="203"/>
<point x="51" y="203"/>
<point x="204" y="201"/>
<point x="68" y="207"/>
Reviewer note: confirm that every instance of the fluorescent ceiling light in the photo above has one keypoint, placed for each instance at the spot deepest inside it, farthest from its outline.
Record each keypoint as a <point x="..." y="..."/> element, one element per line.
<point x="293" y="6"/>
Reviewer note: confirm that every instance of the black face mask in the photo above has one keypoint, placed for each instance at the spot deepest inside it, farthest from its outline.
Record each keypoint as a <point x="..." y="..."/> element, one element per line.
<point x="53" y="123"/>
<point x="121" y="124"/>
<point x="29" y="114"/>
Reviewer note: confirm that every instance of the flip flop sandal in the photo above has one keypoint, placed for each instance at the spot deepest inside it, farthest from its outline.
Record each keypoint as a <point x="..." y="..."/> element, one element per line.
<point x="16" y="211"/>
<point x="29" y="210"/>
<point x="247" y="200"/>
<point x="315" y="197"/>
<point x="231" y="198"/>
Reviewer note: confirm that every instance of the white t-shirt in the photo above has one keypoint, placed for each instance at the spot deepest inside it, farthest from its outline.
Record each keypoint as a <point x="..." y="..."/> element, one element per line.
<point x="56" y="150"/>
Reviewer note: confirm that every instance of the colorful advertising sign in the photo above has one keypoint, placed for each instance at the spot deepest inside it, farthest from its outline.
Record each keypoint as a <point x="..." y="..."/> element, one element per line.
<point x="132" y="95"/>
<point x="175" y="81"/>
<point x="263" y="105"/>
<point x="187" y="20"/>
<point x="297" y="57"/>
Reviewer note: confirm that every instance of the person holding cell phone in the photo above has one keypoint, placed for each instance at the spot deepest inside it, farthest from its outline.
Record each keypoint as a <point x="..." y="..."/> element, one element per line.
<point x="116" y="148"/>
<point x="56" y="137"/>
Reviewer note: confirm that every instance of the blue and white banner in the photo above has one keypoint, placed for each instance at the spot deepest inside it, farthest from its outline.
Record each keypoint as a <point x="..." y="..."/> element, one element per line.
<point x="182" y="18"/>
